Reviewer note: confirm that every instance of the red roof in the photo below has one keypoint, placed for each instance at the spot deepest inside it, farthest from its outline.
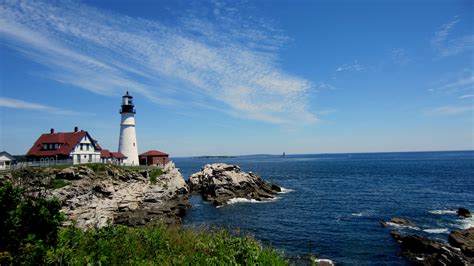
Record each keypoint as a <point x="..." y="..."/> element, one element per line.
<point x="105" y="154"/>
<point x="118" y="155"/>
<point x="153" y="153"/>
<point x="108" y="154"/>
<point x="67" y="141"/>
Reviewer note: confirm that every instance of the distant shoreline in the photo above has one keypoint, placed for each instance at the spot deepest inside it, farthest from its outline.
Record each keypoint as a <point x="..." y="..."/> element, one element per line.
<point x="306" y="154"/>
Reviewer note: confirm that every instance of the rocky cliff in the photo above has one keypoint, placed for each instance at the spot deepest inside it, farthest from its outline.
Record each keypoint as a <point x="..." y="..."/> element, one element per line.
<point x="219" y="182"/>
<point x="98" y="195"/>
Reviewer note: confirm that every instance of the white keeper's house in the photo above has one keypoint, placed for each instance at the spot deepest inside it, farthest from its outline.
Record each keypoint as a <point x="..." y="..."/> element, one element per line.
<point x="76" y="147"/>
<point x="6" y="160"/>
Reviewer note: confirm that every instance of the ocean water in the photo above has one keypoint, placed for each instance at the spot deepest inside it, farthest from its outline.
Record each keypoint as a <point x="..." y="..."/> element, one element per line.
<point x="333" y="203"/>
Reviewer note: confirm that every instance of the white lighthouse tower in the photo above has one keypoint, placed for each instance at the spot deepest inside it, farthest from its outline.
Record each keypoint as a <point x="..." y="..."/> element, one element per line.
<point x="128" y="137"/>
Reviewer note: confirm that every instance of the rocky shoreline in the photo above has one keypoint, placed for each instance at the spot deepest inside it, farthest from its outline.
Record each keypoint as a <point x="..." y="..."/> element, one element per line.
<point x="98" y="195"/>
<point x="459" y="250"/>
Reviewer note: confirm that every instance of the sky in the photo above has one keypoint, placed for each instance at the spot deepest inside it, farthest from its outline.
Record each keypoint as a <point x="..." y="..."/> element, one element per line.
<point x="241" y="77"/>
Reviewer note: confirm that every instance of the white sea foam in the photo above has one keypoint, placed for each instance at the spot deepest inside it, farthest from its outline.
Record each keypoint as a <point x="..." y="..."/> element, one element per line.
<point x="402" y="226"/>
<point x="441" y="212"/>
<point x="285" y="190"/>
<point x="437" y="230"/>
<point x="244" y="200"/>
<point x="362" y="213"/>
<point x="466" y="223"/>
<point x="324" y="262"/>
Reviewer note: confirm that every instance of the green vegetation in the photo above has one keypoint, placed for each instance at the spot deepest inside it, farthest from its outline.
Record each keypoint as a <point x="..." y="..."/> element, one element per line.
<point x="58" y="183"/>
<point x="154" y="174"/>
<point x="30" y="234"/>
<point x="158" y="245"/>
<point x="28" y="226"/>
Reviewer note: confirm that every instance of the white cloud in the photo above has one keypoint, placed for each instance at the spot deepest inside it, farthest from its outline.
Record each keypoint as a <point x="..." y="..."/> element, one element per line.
<point x="400" y="57"/>
<point x="466" y="96"/>
<point x="446" y="46"/>
<point x="351" y="67"/>
<point x="448" y="110"/>
<point x="226" y="62"/>
<point x="19" y="104"/>
<point x="455" y="83"/>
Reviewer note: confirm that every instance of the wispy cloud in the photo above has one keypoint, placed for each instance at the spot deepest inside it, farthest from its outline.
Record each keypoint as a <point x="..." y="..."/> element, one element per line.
<point x="19" y="104"/>
<point x="351" y="67"/>
<point x="320" y="86"/>
<point x="225" y="63"/>
<point x="466" y="96"/>
<point x="447" y="46"/>
<point x="448" y="110"/>
<point x="399" y="56"/>
<point x="460" y="82"/>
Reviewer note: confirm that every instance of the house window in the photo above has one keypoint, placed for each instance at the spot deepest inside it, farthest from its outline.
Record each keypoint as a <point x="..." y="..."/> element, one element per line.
<point x="82" y="147"/>
<point x="45" y="146"/>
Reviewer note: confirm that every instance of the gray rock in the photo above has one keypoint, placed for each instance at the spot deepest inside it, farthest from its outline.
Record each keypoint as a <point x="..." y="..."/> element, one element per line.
<point x="422" y="251"/>
<point x="398" y="221"/>
<point x="219" y="182"/>
<point x="464" y="212"/>
<point x="464" y="240"/>
<point x="114" y="194"/>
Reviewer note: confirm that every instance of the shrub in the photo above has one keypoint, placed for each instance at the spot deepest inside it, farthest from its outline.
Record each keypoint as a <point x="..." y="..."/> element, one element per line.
<point x="58" y="183"/>
<point x="154" y="174"/>
<point x="158" y="245"/>
<point x="28" y="226"/>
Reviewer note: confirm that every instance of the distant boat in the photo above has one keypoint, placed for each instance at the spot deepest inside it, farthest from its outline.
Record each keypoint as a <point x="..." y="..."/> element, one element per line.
<point x="283" y="154"/>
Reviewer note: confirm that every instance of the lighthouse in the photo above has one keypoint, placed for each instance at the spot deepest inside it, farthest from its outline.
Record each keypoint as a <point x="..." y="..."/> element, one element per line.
<point x="128" y="137"/>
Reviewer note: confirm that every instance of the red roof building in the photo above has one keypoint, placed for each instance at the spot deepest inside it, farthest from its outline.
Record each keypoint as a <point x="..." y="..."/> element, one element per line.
<point x="77" y="146"/>
<point x="112" y="157"/>
<point x="154" y="157"/>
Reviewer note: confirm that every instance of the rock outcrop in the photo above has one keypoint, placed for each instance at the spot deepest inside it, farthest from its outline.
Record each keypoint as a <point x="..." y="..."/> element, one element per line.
<point x="463" y="240"/>
<point x="423" y="251"/>
<point x="463" y="212"/>
<point x="398" y="221"/>
<point x="219" y="182"/>
<point x="98" y="195"/>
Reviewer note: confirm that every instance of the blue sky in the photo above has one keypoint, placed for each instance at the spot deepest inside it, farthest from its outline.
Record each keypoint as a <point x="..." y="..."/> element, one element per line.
<point x="241" y="77"/>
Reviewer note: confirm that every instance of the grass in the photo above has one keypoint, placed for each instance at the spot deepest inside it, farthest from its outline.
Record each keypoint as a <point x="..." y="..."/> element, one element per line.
<point x="158" y="245"/>
<point x="154" y="174"/>
<point x="58" y="183"/>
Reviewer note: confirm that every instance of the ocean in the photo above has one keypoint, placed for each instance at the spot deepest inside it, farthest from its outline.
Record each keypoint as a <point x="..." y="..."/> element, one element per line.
<point x="332" y="204"/>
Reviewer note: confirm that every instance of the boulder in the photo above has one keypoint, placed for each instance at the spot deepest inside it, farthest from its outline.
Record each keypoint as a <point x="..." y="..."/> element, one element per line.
<point x="398" y="221"/>
<point x="219" y="182"/>
<point x="464" y="240"/>
<point x="422" y="251"/>
<point x="464" y="212"/>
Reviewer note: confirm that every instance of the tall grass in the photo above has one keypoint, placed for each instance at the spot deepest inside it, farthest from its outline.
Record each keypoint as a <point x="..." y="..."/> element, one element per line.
<point x="158" y="245"/>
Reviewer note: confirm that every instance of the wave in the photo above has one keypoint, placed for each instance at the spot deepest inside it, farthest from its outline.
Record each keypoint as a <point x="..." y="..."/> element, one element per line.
<point x="285" y="190"/>
<point x="441" y="212"/>
<point x="402" y="226"/>
<point x="323" y="262"/>
<point x="436" y="230"/>
<point x="362" y="213"/>
<point x="465" y="223"/>
<point x="244" y="200"/>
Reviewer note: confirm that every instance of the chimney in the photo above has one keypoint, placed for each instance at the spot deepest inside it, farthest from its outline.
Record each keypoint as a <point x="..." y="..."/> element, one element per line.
<point x="52" y="130"/>
<point x="76" y="129"/>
